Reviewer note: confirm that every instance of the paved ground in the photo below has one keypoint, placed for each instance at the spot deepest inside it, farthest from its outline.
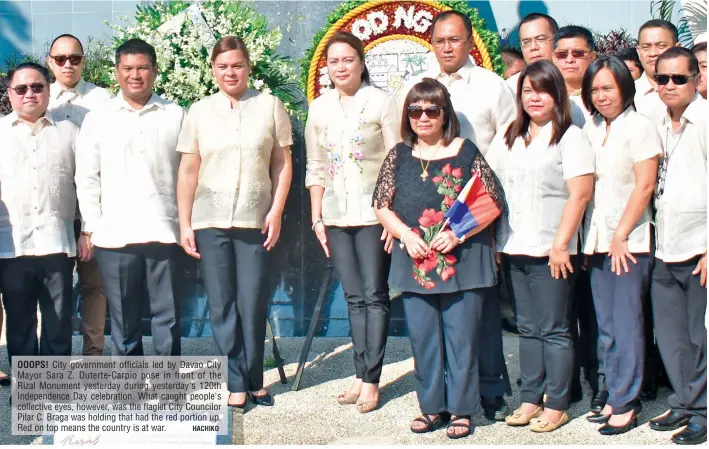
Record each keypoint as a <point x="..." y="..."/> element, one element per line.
<point x="311" y="415"/>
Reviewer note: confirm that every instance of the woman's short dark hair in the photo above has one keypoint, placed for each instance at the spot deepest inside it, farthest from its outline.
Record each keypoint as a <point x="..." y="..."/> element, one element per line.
<point x="354" y="42"/>
<point x="431" y="91"/>
<point x="544" y="77"/>
<point x="230" y="43"/>
<point x="621" y="74"/>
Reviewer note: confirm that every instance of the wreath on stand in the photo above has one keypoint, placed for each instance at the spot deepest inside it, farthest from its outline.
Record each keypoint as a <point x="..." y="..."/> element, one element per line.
<point x="396" y="36"/>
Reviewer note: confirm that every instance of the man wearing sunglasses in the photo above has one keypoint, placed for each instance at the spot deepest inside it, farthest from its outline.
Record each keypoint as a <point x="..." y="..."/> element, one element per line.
<point x="483" y="104"/>
<point x="574" y="51"/>
<point x="679" y="277"/>
<point x="37" y="245"/>
<point x="654" y="38"/>
<point x="71" y="97"/>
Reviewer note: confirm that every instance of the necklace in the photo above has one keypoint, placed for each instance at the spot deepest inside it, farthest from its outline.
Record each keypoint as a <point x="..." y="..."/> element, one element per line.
<point x="424" y="170"/>
<point x="662" y="175"/>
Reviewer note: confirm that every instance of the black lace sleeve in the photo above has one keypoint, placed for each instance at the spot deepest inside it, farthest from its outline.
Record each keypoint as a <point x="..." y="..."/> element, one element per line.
<point x="385" y="188"/>
<point x="490" y="181"/>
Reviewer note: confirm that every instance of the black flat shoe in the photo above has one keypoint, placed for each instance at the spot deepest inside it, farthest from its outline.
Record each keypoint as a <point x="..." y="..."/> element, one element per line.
<point x="609" y="430"/>
<point x="692" y="434"/>
<point x="672" y="421"/>
<point x="454" y="423"/>
<point x="440" y="421"/>
<point x="495" y="408"/>
<point x="265" y="400"/>
<point x="598" y="418"/>
<point x="599" y="401"/>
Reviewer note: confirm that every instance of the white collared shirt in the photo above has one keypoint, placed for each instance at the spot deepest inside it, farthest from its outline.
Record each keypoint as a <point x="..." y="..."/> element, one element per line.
<point x="579" y="114"/>
<point x="235" y="144"/>
<point x="74" y="104"/>
<point x="346" y="146"/>
<point x="482" y="100"/>
<point x="126" y="174"/>
<point x="534" y="181"/>
<point x="632" y="138"/>
<point x="647" y="100"/>
<point x="37" y="194"/>
<point x="681" y="220"/>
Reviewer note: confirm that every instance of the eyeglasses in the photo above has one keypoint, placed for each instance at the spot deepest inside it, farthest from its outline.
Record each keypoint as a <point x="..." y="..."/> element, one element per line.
<point x="577" y="54"/>
<point x="454" y="41"/>
<point x="415" y="112"/>
<point x="540" y="40"/>
<point x="678" y="80"/>
<point x="21" y="89"/>
<point x="73" y="59"/>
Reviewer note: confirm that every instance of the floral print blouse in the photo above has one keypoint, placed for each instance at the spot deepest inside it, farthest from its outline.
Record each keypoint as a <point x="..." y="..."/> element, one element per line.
<point x="422" y="205"/>
<point x="346" y="144"/>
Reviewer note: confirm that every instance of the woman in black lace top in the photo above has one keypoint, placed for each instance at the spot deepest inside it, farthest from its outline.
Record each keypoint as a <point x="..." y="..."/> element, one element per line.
<point x="443" y="278"/>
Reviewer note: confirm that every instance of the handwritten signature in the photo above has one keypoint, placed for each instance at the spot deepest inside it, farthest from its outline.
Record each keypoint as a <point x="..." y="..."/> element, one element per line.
<point x="72" y="440"/>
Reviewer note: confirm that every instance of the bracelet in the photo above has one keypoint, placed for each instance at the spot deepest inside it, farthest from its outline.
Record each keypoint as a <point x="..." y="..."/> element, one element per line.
<point x="401" y="237"/>
<point x="87" y="234"/>
<point x="317" y="222"/>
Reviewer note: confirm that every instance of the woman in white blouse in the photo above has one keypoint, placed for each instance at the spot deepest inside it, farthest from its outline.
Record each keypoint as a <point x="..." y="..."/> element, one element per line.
<point x="618" y="232"/>
<point x="349" y="131"/>
<point x="232" y="187"/>
<point x="546" y="166"/>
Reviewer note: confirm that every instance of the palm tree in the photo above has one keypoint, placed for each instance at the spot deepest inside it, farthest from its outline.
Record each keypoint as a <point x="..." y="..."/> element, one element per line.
<point x="692" y="21"/>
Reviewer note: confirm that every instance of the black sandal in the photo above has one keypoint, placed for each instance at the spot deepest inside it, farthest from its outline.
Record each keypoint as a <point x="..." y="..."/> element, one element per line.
<point x="440" y="421"/>
<point x="453" y="423"/>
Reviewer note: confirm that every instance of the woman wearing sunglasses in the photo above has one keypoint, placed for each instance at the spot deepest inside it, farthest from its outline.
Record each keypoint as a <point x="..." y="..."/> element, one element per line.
<point x="348" y="133"/>
<point x="546" y="166"/>
<point x="443" y="278"/>
<point x="618" y="238"/>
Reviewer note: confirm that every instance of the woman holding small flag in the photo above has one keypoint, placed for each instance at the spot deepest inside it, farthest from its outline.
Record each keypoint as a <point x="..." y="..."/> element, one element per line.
<point x="546" y="166"/>
<point x="437" y="196"/>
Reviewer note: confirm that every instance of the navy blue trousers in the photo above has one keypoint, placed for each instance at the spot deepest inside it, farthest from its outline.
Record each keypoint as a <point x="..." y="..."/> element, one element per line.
<point x="444" y="330"/>
<point x="619" y="310"/>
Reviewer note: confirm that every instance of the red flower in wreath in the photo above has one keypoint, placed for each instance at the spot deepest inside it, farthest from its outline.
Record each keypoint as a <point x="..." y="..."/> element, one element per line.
<point x="448" y="201"/>
<point x="446" y="170"/>
<point x="450" y="259"/>
<point x="431" y="217"/>
<point x="457" y="173"/>
<point x="437" y="179"/>
<point x="427" y="263"/>
<point x="428" y="285"/>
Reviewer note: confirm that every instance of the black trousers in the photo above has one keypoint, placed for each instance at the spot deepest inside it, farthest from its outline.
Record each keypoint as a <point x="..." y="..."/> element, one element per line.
<point x="126" y="272"/>
<point x="234" y="266"/>
<point x="679" y="304"/>
<point x="444" y="330"/>
<point x="491" y="357"/>
<point x="363" y="266"/>
<point x="588" y="351"/>
<point x="619" y="310"/>
<point x="25" y="282"/>
<point x="546" y="351"/>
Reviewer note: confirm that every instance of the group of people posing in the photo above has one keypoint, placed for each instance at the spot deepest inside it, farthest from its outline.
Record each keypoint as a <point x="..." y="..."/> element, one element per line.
<point x="596" y="175"/>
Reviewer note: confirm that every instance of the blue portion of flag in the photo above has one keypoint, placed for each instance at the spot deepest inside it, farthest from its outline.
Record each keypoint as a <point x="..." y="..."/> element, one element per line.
<point x="460" y="219"/>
